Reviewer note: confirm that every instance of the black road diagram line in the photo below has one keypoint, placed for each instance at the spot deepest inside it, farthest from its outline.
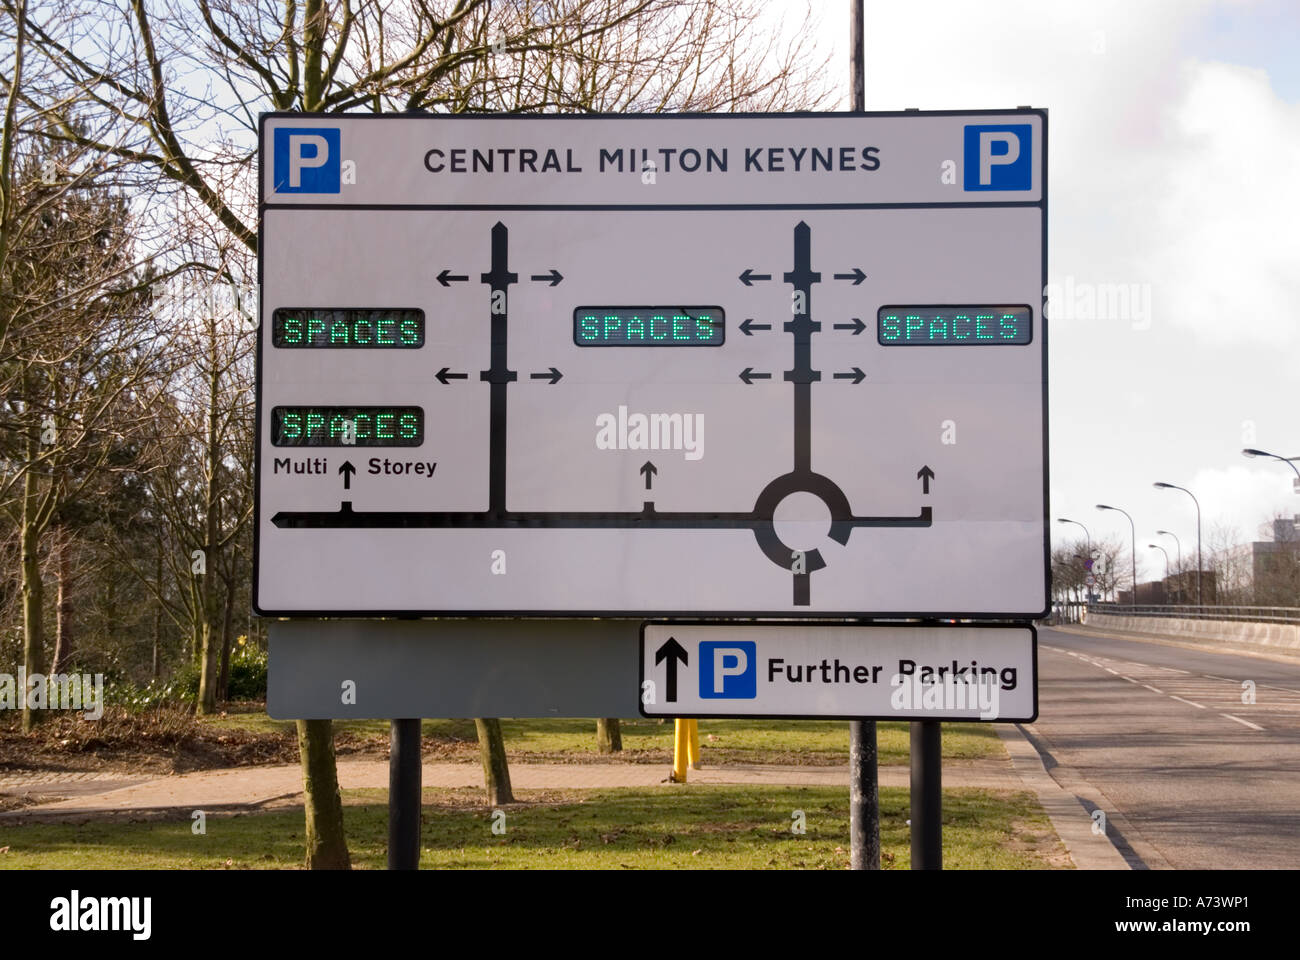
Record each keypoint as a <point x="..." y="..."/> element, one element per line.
<point x="760" y="520"/>
<point x="499" y="278"/>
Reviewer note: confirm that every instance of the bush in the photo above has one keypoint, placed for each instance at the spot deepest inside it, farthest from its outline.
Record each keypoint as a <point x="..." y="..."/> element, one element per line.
<point x="247" y="673"/>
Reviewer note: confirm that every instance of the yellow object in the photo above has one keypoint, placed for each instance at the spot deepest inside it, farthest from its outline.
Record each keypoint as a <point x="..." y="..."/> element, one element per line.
<point x="695" y="744"/>
<point x="681" y="747"/>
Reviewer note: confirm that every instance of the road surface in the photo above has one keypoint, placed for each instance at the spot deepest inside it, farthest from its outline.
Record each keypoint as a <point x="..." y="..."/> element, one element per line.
<point x="1188" y="775"/>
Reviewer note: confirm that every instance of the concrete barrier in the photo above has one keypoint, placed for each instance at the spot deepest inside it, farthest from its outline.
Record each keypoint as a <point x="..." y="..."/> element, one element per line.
<point x="1286" y="635"/>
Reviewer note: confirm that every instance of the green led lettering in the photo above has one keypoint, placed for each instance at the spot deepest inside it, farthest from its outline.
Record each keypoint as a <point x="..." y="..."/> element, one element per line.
<point x="357" y="336"/>
<point x="654" y="336"/>
<point x="408" y="426"/>
<point x="290" y="426"/>
<point x="612" y="323"/>
<point x="315" y="326"/>
<point x="409" y="331"/>
<point x="635" y="328"/>
<point x="386" y="331"/>
<point x="938" y="328"/>
<point x="339" y="332"/>
<point x="363" y="426"/>
<point x="981" y="326"/>
<point x="1007" y="326"/>
<point x="292" y="329"/>
<point x="914" y="323"/>
<point x="890" y="327"/>
<point x="678" y="320"/>
<point x="956" y="327"/>
<point x="590" y="325"/>
<point x="384" y="431"/>
<point x="315" y="422"/>
<point x="704" y="328"/>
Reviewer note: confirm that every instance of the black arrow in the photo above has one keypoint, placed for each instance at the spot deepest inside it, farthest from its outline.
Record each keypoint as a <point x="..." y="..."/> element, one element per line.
<point x="749" y="325"/>
<point x="649" y="469"/>
<point x="749" y="376"/>
<point x="857" y="376"/>
<point x="447" y="278"/>
<point x="552" y="375"/>
<point x="443" y="376"/>
<point x="857" y="276"/>
<point x="925" y="475"/>
<point x="857" y="326"/>
<point x="749" y="276"/>
<point x="671" y="651"/>
<point x="347" y="470"/>
<point x="554" y="277"/>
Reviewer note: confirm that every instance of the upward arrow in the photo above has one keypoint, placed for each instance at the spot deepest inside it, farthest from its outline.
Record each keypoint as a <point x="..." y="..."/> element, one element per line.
<point x="347" y="470"/>
<point x="925" y="475"/>
<point x="671" y="651"/>
<point x="649" y="470"/>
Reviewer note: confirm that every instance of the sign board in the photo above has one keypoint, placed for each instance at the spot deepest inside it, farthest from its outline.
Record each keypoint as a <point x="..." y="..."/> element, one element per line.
<point x="697" y="365"/>
<point x="882" y="672"/>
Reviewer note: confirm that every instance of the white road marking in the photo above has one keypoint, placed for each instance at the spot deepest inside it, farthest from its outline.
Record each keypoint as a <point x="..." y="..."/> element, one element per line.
<point x="1151" y="688"/>
<point x="1131" y="680"/>
<point x="1199" y="706"/>
<point x="1244" y="723"/>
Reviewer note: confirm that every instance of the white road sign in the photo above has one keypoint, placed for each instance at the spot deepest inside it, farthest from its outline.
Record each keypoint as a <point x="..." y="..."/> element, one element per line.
<point x="883" y="672"/>
<point x="666" y="365"/>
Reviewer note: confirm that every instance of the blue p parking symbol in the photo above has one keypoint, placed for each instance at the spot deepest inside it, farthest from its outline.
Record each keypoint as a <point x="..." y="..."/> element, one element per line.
<point x="998" y="157"/>
<point x="307" y="160"/>
<point x="728" y="670"/>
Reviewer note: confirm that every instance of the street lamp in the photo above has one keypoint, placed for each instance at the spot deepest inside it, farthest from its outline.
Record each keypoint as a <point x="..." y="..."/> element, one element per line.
<point x="1156" y="546"/>
<point x="1178" y="544"/>
<point x="1200" y="597"/>
<point x="1133" y="553"/>
<point x="1289" y="461"/>
<point x="1085" y="532"/>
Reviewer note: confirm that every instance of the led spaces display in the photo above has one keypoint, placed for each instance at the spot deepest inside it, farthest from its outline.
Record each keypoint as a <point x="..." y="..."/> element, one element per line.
<point x="347" y="426"/>
<point x="649" y="326"/>
<point x="955" y="326"/>
<point x="348" y="329"/>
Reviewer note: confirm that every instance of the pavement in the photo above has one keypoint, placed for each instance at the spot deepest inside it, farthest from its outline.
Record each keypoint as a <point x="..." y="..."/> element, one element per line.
<point x="251" y="787"/>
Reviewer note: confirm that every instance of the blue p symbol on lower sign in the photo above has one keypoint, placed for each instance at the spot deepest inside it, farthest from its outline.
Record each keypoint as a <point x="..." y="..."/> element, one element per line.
<point x="307" y="160"/>
<point x="998" y="157"/>
<point x="728" y="670"/>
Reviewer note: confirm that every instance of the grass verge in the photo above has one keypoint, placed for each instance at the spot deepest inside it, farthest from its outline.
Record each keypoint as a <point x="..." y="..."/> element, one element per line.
<point x="691" y="826"/>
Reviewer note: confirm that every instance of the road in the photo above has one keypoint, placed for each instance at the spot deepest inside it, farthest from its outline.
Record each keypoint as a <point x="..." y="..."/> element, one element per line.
<point x="1158" y="737"/>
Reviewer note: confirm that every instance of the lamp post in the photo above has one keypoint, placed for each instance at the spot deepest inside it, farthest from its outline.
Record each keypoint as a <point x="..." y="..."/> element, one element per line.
<point x="1156" y="546"/>
<point x="1251" y="454"/>
<point x="1200" y="597"/>
<point x="1133" y="552"/>
<point x="1179" y="546"/>
<point x="1085" y="532"/>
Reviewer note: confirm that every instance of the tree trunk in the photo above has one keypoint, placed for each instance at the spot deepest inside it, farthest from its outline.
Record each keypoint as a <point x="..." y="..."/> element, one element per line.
<point x="63" y="606"/>
<point x="609" y="738"/>
<point x="157" y="614"/>
<point x="327" y="845"/>
<point x="32" y="588"/>
<point x="207" y="698"/>
<point x="223" y="679"/>
<point x="496" y="771"/>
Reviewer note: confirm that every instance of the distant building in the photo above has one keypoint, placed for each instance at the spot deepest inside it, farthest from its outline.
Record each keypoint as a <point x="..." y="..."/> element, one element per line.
<point x="1275" y="565"/>
<point x="1177" y="588"/>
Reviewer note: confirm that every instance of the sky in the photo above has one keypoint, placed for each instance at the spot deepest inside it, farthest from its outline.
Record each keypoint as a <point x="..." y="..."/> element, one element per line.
<point x="1174" y="172"/>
